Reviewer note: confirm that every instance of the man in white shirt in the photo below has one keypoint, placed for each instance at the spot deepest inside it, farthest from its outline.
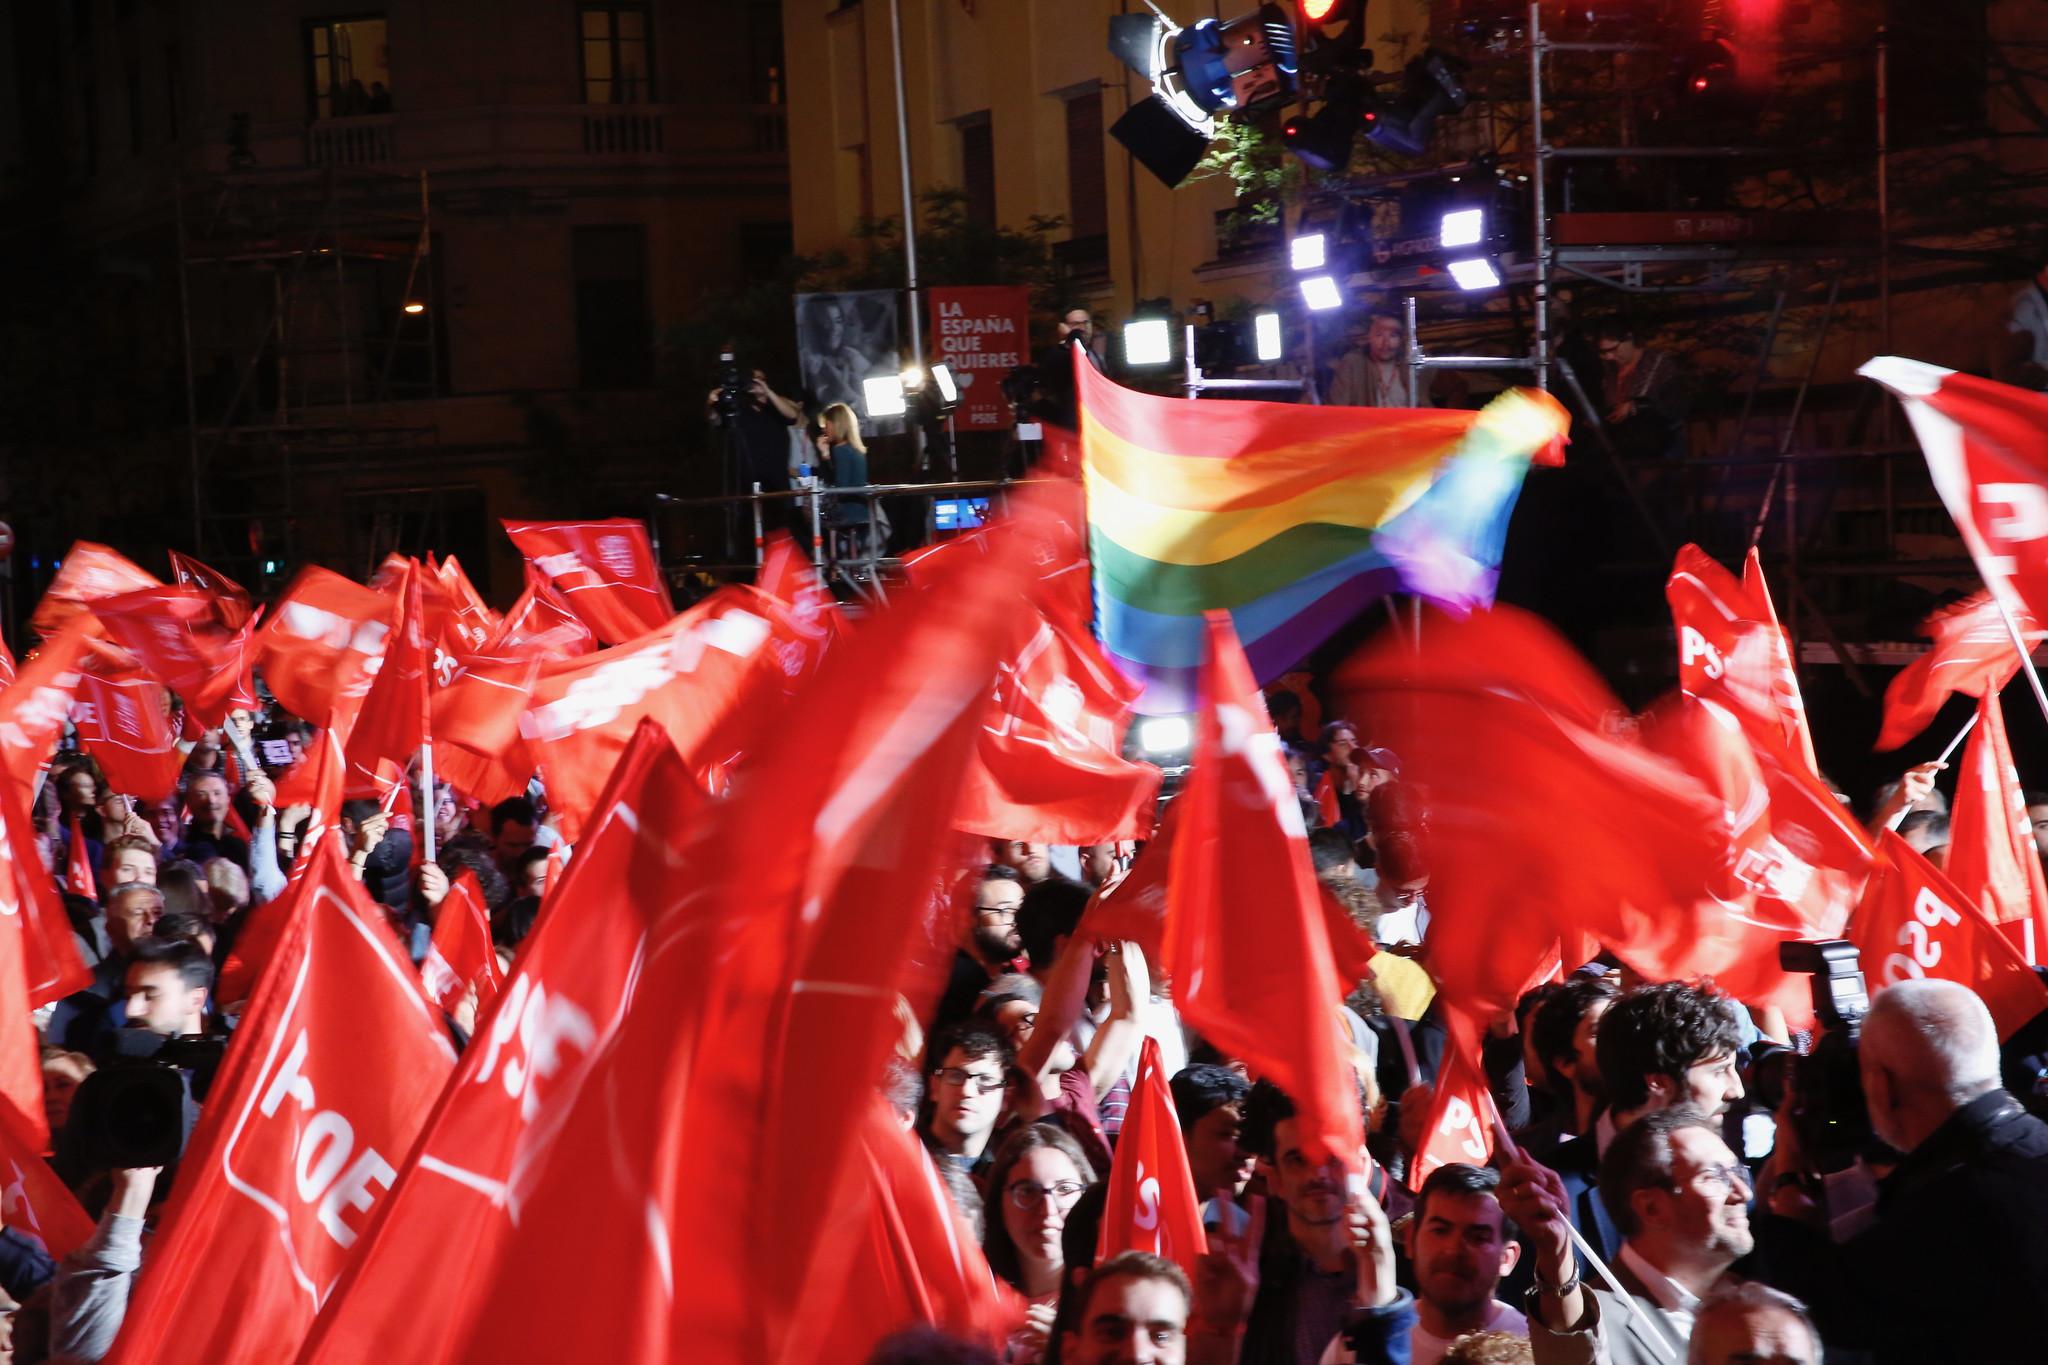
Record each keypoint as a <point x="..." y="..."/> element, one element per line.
<point x="1461" y="1243"/>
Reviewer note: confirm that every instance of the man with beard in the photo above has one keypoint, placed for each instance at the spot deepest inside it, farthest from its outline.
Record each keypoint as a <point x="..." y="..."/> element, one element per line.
<point x="1680" y="1199"/>
<point x="989" y="943"/>
<point x="1460" y="1244"/>
<point x="1309" y="1279"/>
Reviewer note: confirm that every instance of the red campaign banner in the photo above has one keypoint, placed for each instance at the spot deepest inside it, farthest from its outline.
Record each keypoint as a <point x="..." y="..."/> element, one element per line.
<point x="983" y="332"/>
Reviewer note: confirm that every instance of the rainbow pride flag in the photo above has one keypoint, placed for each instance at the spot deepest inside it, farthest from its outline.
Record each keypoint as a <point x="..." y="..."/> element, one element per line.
<point x="1290" y="517"/>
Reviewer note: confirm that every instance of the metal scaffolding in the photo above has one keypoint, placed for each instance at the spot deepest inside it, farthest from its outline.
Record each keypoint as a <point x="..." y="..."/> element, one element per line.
<point x="1747" y="263"/>
<point x="311" y="297"/>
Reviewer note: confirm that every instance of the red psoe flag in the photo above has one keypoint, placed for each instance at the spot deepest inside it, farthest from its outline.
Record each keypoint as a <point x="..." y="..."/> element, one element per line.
<point x="51" y="962"/>
<point x="1504" y="725"/>
<point x="338" y="1060"/>
<point x="1794" y="863"/>
<point x="1987" y="449"/>
<point x="231" y="599"/>
<point x="123" y="724"/>
<point x="317" y="649"/>
<point x="1459" y="1125"/>
<point x="471" y="621"/>
<point x="23" y="884"/>
<point x="800" y="942"/>
<point x="1914" y="923"/>
<point x="1049" y="762"/>
<point x="36" y="704"/>
<point x="35" y="1201"/>
<point x="604" y="569"/>
<point x="179" y="637"/>
<point x="1731" y="650"/>
<point x="496" y="1130"/>
<point x="88" y="573"/>
<point x="396" y="717"/>
<point x="78" y="874"/>
<point x="461" y="953"/>
<point x="1246" y="942"/>
<point x="1152" y="1205"/>
<point x="1788" y="702"/>
<point x="918" y="1261"/>
<point x="1971" y="652"/>
<point x="691" y="676"/>
<point x="1991" y="854"/>
<point x="791" y="579"/>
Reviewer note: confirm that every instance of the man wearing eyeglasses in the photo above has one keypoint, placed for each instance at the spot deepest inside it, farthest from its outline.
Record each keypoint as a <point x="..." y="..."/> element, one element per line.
<point x="965" y="1090"/>
<point x="990" y="944"/>
<point x="1680" y="1199"/>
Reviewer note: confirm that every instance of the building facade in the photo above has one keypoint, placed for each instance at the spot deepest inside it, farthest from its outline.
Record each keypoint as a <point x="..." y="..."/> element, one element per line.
<point x="422" y="259"/>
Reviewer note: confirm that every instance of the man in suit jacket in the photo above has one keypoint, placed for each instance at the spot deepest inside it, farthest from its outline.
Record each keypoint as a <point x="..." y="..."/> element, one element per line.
<point x="1679" y="1199"/>
<point x="1955" y="1266"/>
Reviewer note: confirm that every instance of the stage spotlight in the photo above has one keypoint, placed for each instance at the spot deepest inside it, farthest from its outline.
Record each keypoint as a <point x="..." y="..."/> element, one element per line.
<point x="1322" y="292"/>
<point x="1148" y="341"/>
<point x="1462" y="227"/>
<point x="1164" y="736"/>
<point x="1197" y="73"/>
<point x="1266" y="342"/>
<point x="1477" y="273"/>
<point x="1430" y="88"/>
<point x="1309" y="251"/>
<point x="883" y="396"/>
<point x="945" y="387"/>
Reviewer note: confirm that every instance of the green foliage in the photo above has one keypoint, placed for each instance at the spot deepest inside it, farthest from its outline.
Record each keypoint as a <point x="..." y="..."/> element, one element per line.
<point x="1264" y="177"/>
<point x="951" y="250"/>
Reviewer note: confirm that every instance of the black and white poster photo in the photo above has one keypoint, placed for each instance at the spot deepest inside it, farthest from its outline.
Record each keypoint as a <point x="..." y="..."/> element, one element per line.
<point x="844" y="339"/>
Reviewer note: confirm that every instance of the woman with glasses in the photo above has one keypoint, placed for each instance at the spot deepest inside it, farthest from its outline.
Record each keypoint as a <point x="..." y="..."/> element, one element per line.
<point x="1037" y="1178"/>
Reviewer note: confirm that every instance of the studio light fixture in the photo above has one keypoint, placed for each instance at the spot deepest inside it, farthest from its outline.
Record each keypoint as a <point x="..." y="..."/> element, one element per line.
<point x="1148" y="341"/>
<point x="1163" y="736"/>
<point x="883" y="396"/>
<point x="1462" y="227"/>
<point x="1196" y="74"/>
<point x="1308" y="251"/>
<point x="1321" y="292"/>
<point x="1266" y="340"/>
<point x="1477" y="273"/>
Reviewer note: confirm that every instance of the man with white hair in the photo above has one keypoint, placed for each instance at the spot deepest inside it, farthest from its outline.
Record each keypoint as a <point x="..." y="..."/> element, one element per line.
<point x="1956" y="1265"/>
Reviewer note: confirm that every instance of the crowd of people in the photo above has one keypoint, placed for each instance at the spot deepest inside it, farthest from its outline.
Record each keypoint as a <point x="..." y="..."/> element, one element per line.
<point x="1651" y="1194"/>
<point x="1639" y="1131"/>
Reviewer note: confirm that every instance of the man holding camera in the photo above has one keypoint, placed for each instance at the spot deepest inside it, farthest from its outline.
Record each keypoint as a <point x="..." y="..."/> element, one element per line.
<point x="758" y="420"/>
<point x="1955" y="1264"/>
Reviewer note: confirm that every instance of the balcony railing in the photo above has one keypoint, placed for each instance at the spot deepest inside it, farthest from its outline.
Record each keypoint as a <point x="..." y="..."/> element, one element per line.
<point x="365" y="140"/>
<point x="631" y="130"/>
<point x="433" y="138"/>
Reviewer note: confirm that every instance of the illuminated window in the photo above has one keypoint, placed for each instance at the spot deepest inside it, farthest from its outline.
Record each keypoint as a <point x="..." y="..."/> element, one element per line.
<point x="618" y="55"/>
<point x="348" y="67"/>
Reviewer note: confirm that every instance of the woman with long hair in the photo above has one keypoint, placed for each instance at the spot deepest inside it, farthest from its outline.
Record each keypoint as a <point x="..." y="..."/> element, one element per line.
<point x="1035" y="1181"/>
<point x="846" y="453"/>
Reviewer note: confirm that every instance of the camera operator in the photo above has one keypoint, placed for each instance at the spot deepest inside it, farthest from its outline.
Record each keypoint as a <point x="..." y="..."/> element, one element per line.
<point x="1955" y="1263"/>
<point x="758" y="420"/>
<point x="154" y="1071"/>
